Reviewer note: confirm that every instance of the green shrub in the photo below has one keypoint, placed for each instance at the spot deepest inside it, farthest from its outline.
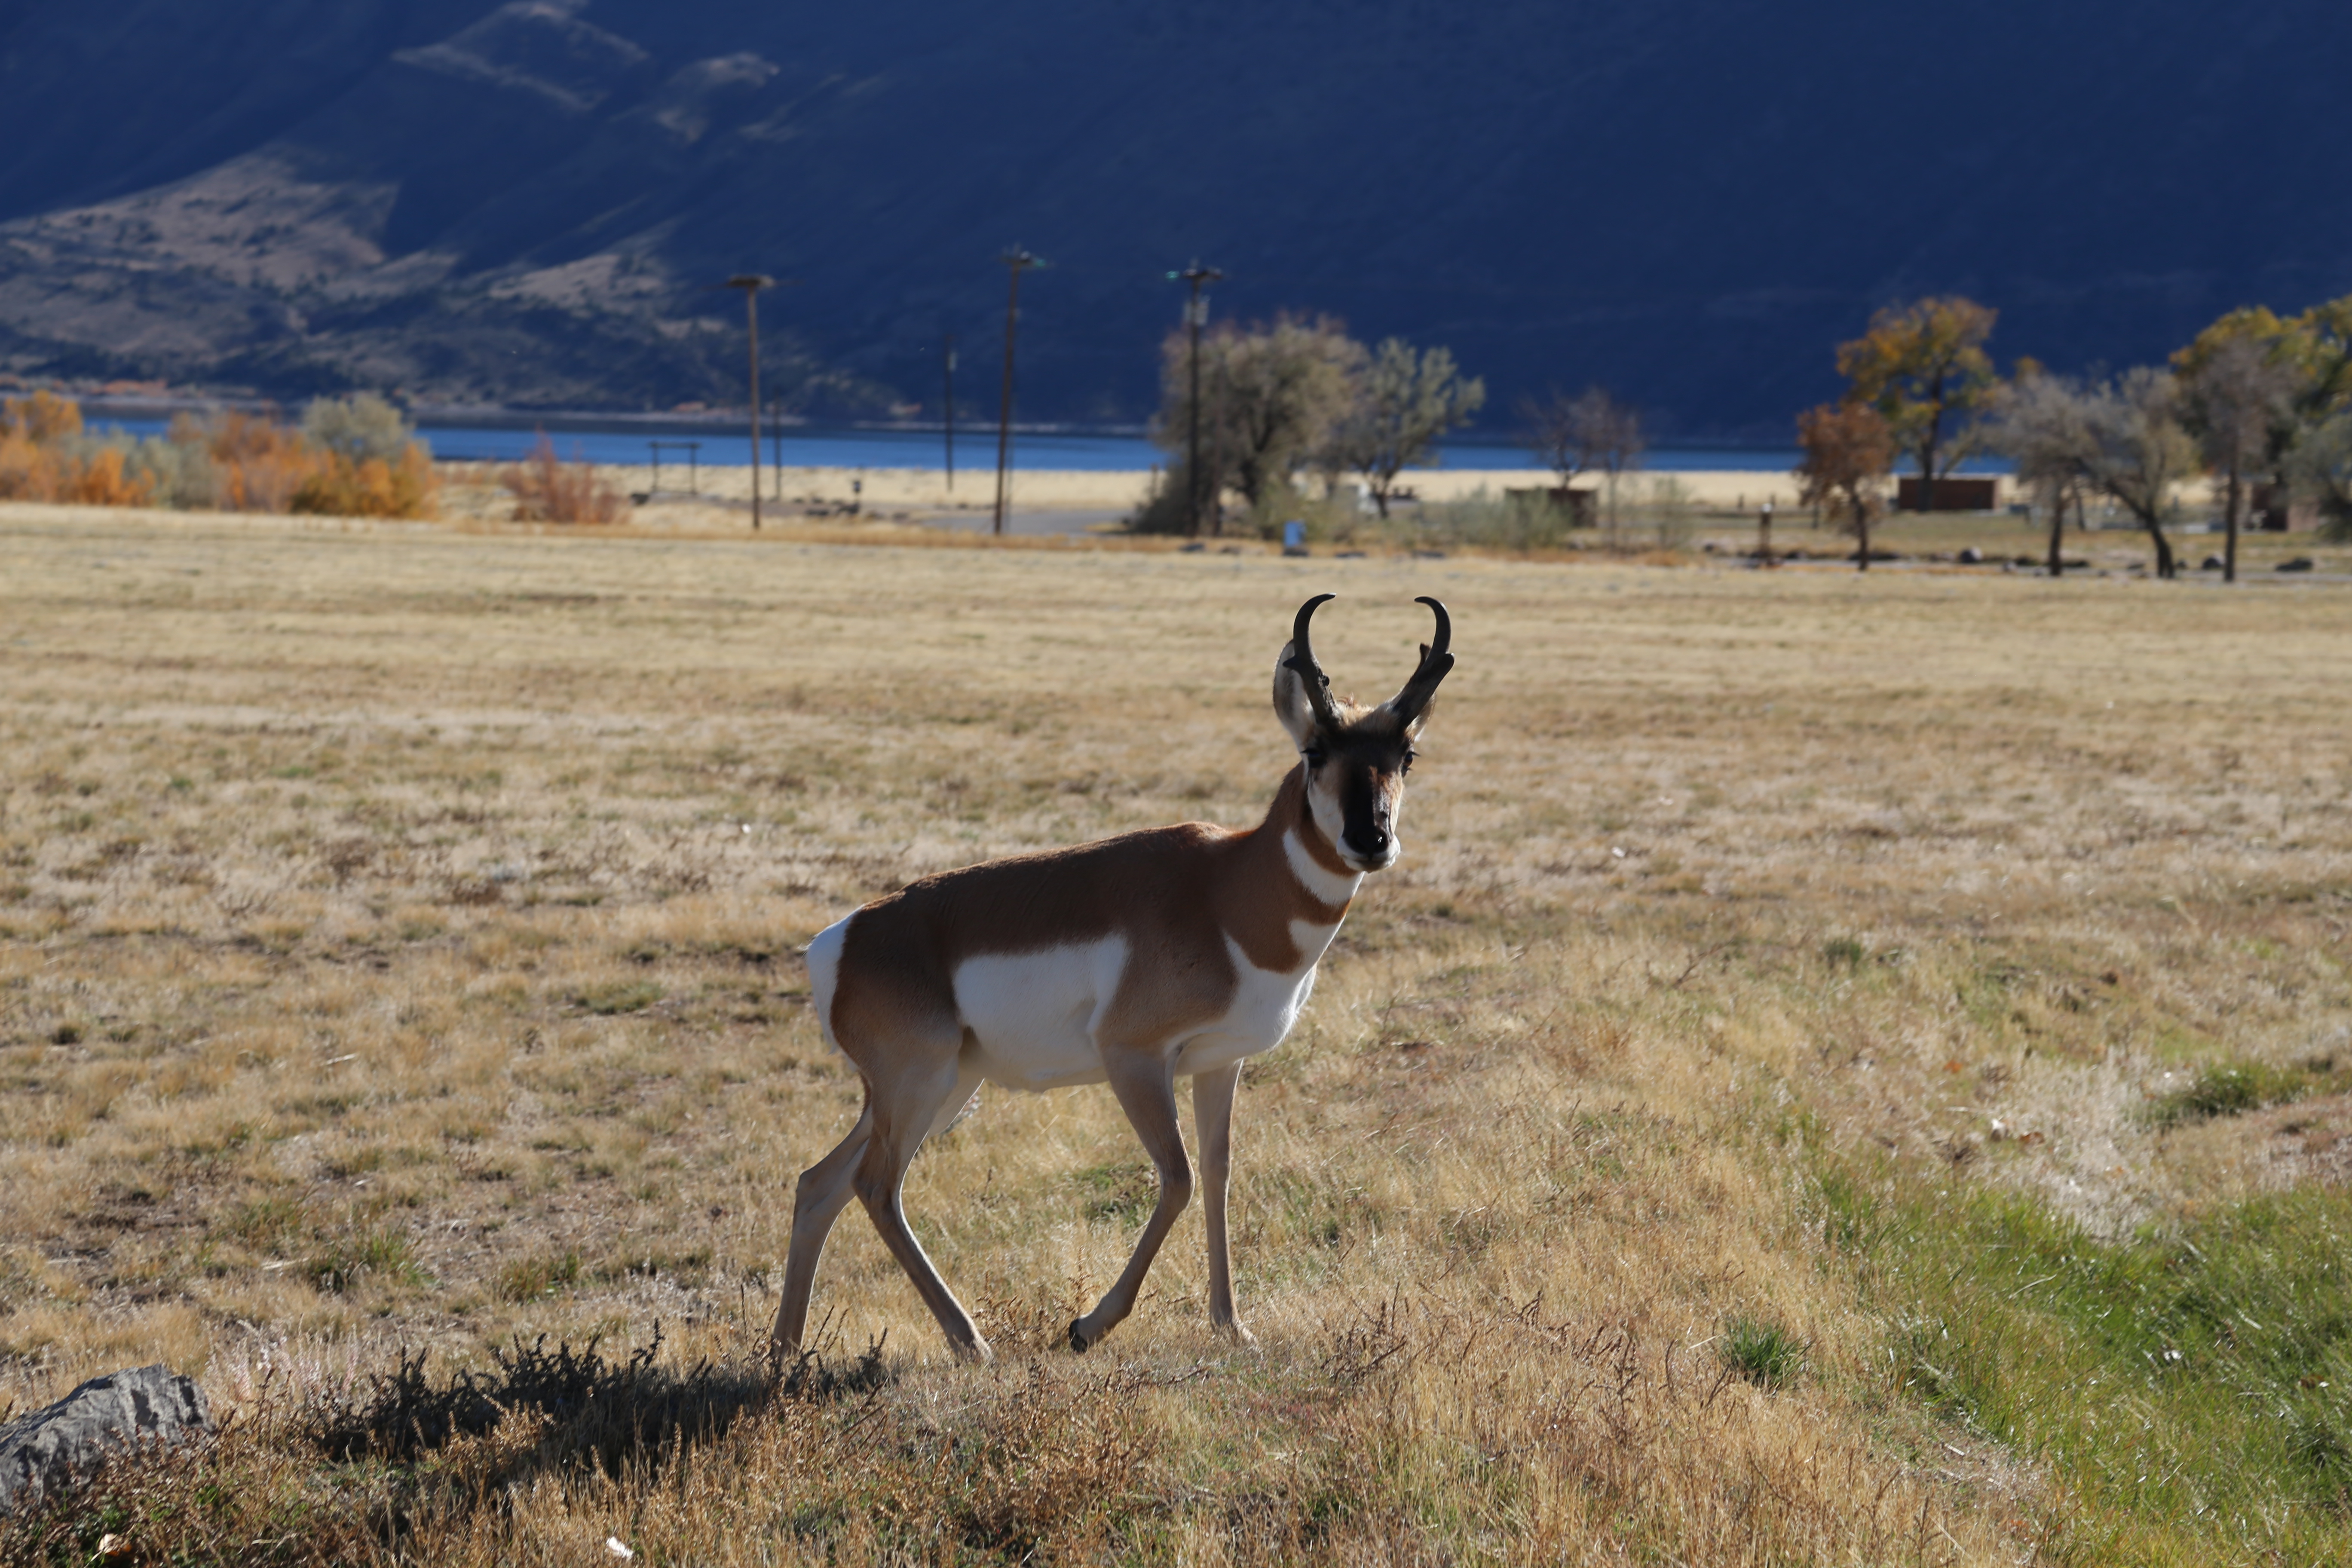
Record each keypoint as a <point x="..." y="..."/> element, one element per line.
<point x="360" y="426"/>
<point x="1486" y="520"/>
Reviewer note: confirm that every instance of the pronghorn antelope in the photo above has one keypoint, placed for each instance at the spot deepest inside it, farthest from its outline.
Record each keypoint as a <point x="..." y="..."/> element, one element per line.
<point x="1173" y="952"/>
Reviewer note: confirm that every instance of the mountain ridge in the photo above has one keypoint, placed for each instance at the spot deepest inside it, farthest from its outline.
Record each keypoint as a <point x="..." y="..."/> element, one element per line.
<point x="529" y="204"/>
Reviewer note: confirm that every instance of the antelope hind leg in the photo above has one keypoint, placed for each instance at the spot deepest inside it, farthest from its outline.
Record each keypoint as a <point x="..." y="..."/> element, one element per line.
<point x="823" y="1188"/>
<point x="904" y="1113"/>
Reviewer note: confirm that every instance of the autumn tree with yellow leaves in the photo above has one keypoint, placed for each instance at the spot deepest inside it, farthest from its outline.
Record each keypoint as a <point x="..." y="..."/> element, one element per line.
<point x="1923" y="368"/>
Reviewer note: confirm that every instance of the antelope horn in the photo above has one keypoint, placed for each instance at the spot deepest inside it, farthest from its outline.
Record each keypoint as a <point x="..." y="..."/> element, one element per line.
<point x="1436" y="662"/>
<point x="1311" y="674"/>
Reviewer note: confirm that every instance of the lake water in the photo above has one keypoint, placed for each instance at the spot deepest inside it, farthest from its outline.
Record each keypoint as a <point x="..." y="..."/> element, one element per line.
<point x="975" y="449"/>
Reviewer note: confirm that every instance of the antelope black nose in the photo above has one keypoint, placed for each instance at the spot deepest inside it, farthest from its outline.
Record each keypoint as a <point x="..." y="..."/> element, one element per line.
<point x="1376" y="841"/>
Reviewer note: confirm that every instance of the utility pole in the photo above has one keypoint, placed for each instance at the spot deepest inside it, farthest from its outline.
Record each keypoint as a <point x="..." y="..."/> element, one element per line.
<point x="752" y="283"/>
<point x="1016" y="261"/>
<point x="1196" y="316"/>
<point x="947" y="374"/>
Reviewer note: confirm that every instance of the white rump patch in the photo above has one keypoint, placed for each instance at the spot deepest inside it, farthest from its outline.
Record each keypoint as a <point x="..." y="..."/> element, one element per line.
<point x="1334" y="887"/>
<point x="824" y="960"/>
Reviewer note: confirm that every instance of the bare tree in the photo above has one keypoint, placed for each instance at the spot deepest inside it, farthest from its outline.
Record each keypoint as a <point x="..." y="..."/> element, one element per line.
<point x="2137" y="451"/>
<point x="1402" y="402"/>
<point x="2237" y="399"/>
<point x="2044" y="424"/>
<point x="1848" y="448"/>
<point x="1556" y="434"/>
<point x="1589" y="433"/>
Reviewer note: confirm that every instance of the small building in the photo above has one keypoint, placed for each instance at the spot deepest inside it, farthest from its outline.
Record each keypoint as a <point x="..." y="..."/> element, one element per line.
<point x="2273" y="508"/>
<point x="1954" y="493"/>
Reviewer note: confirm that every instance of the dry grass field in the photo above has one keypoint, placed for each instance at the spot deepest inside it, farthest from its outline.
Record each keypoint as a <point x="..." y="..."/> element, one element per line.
<point x="1847" y="1071"/>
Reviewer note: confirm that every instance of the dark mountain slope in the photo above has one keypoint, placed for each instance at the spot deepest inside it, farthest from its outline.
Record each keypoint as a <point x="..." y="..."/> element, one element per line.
<point x="1692" y="200"/>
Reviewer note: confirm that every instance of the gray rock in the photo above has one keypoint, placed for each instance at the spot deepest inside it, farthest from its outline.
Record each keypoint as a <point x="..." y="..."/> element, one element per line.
<point x="44" y="1450"/>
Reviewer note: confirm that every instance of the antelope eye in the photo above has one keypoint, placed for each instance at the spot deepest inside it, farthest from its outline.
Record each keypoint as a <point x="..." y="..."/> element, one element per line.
<point x="1314" y="755"/>
<point x="1406" y="766"/>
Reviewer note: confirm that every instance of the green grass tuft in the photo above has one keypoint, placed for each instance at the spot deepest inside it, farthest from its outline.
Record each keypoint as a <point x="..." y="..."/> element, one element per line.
<point x="528" y="1279"/>
<point x="383" y="1253"/>
<point x="1762" y="1351"/>
<point x="2232" y="1088"/>
<point x="620" y="996"/>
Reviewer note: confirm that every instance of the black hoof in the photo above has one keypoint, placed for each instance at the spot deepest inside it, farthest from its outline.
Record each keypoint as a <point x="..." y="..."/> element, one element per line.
<point x="1077" y="1337"/>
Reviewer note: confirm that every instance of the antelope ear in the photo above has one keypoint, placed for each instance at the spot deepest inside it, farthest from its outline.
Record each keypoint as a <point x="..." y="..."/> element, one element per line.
<point x="1290" y="703"/>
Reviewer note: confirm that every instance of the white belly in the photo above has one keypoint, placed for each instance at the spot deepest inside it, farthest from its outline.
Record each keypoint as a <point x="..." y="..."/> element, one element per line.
<point x="1034" y="1014"/>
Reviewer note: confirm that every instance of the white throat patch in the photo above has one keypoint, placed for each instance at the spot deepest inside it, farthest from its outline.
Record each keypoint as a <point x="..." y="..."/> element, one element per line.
<point x="1334" y="887"/>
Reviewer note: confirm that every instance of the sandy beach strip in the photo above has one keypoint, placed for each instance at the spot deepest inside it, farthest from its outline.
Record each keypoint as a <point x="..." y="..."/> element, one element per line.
<point x="1119" y="491"/>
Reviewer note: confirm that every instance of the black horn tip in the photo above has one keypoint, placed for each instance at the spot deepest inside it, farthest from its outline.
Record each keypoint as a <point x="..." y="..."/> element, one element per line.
<point x="1435" y="661"/>
<point x="1445" y="621"/>
<point x="1302" y="661"/>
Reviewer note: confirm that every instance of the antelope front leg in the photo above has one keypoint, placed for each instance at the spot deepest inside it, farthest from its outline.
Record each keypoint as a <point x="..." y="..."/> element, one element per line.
<point x="1145" y="1089"/>
<point x="1213" y="1117"/>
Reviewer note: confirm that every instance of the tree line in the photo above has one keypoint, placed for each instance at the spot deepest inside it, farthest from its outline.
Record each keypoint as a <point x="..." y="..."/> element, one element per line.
<point x="349" y="456"/>
<point x="2258" y="401"/>
<point x="346" y="457"/>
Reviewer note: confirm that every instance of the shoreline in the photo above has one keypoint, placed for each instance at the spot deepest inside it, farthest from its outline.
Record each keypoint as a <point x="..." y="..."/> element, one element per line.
<point x="1087" y="489"/>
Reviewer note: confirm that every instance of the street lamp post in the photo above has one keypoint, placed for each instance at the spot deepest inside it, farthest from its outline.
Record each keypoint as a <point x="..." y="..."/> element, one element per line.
<point x="1016" y="261"/>
<point x="1196" y="316"/>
